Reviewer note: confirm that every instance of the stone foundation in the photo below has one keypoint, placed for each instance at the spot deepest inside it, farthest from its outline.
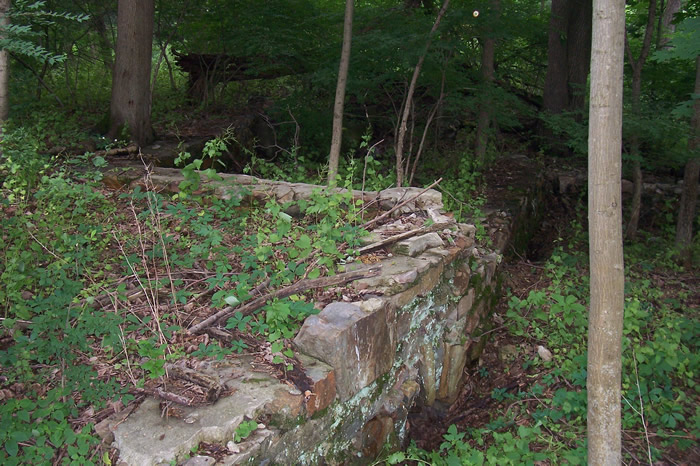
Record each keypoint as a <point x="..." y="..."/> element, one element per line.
<point x="369" y="361"/>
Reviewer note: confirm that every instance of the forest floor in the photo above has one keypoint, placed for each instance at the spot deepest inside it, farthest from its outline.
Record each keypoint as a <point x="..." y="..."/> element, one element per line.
<point x="508" y="362"/>
<point x="139" y="251"/>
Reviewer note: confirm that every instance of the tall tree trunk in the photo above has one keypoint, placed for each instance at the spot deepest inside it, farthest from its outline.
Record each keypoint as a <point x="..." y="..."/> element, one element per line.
<point x="568" y="62"/>
<point x="578" y="55"/>
<point x="555" y="97"/>
<point x="401" y="136"/>
<point x="605" y="234"/>
<point x="666" y="26"/>
<point x="337" y="134"/>
<point x="487" y="75"/>
<point x="637" y="66"/>
<point x="4" y="66"/>
<point x="689" y="195"/>
<point x="130" y="107"/>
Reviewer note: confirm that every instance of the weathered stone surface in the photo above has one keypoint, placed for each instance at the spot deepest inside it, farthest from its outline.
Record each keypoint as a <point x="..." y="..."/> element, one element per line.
<point x="427" y="282"/>
<point x="438" y="217"/>
<point x="455" y="359"/>
<point x="463" y="308"/>
<point x="427" y="372"/>
<point x="473" y="321"/>
<point x="375" y="433"/>
<point x="147" y="438"/>
<point x="286" y="408"/>
<point x="455" y="332"/>
<point x="461" y="279"/>
<point x="105" y="427"/>
<point x="322" y="377"/>
<point x="416" y="245"/>
<point x="467" y="230"/>
<point x="240" y="186"/>
<point x="356" y="344"/>
<point x="430" y="199"/>
<point x="200" y="461"/>
<point x="386" y="282"/>
<point x="251" y="446"/>
<point x="492" y="260"/>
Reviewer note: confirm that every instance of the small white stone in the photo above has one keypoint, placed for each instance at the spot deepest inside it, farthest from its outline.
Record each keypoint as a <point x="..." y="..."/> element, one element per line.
<point x="544" y="353"/>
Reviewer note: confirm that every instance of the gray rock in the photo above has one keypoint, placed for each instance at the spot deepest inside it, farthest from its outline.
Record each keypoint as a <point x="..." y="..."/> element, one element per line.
<point x="414" y="246"/>
<point x="357" y="344"/>
<point x="199" y="461"/>
<point x="544" y="353"/>
<point x="147" y="438"/>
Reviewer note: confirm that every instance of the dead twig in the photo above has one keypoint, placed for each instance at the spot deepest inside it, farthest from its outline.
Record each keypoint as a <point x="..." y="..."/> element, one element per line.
<point x="398" y="206"/>
<point x="213" y="386"/>
<point x="401" y="236"/>
<point x="298" y="287"/>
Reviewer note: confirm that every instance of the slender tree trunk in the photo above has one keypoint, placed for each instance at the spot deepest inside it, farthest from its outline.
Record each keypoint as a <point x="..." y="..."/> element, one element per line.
<point x="637" y="178"/>
<point x="4" y="66"/>
<point x="605" y="233"/>
<point x="637" y="66"/>
<point x="104" y="45"/>
<point x="689" y="196"/>
<point x="487" y="74"/>
<point x="131" y="98"/>
<point x="401" y="136"/>
<point x="337" y="134"/>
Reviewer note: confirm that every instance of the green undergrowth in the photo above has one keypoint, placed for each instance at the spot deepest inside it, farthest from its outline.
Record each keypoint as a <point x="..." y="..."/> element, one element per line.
<point x="545" y="421"/>
<point x="98" y="289"/>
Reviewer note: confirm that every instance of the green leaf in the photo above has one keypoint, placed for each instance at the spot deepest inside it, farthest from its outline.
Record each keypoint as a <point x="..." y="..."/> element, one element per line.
<point x="396" y="457"/>
<point x="231" y="300"/>
<point x="276" y="346"/>
<point x="11" y="447"/>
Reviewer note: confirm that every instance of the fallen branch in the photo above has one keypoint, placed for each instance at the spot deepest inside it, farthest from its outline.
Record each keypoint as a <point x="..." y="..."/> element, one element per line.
<point x="213" y="386"/>
<point x="298" y="287"/>
<point x="401" y="236"/>
<point x="160" y="393"/>
<point x="398" y="206"/>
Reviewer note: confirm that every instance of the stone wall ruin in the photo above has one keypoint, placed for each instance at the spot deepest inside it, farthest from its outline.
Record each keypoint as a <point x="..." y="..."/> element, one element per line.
<point x="404" y="344"/>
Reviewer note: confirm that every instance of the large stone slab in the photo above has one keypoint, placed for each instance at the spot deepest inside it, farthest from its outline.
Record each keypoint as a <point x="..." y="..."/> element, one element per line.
<point x="147" y="437"/>
<point x="357" y="344"/>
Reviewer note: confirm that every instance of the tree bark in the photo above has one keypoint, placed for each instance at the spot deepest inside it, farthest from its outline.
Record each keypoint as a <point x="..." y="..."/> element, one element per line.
<point x="578" y="55"/>
<point x="568" y="62"/>
<point x="605" y="234"/>
<point x="130" y="107"/>
<point x="401" y="136"/>
<point x="689" y="195"/>
<point x="487" y="75"/>
<point x="4" y="66"/>
<point x="666" y="26"/>
<point x="555" y="96"/>
<point x="637" y="66"/>
<point x="337" y="134"/>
